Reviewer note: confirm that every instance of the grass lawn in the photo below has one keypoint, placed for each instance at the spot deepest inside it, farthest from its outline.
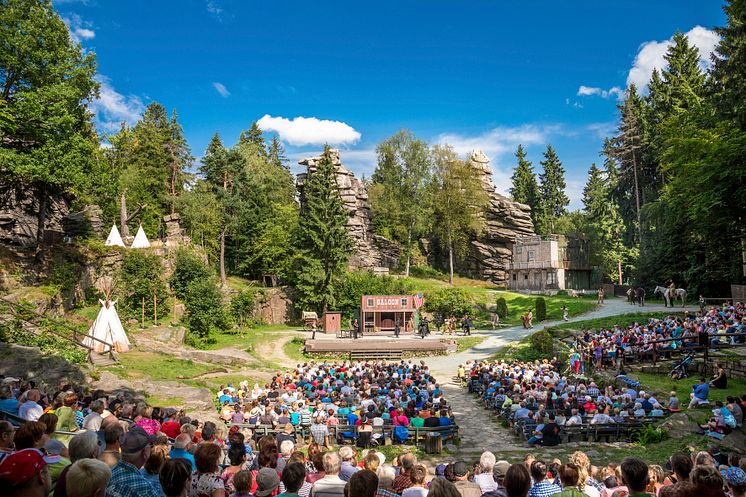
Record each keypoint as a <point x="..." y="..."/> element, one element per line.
<point x="610" y="321"/>
<point x="248" y="338"/>
<point x="663" y="384"/>
<point x="519" y="304"/>
<point x="159" y="367"/>
<point x="466" y="343"/>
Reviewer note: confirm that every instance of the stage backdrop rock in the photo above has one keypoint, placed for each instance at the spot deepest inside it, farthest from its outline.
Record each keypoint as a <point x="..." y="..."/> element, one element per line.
<point x="373" y="251"/>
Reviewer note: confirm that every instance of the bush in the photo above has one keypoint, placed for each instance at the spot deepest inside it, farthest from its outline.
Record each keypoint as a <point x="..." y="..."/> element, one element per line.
<point x="541" y="309"/>
<point x="649" y="434"/>
<point x="242" y="307"/>
<point x="188" y="268"/>
<point x="541" y="342"/>
<point x="205" y="314"/>
<point x="141" y="277"/>
<point x="448" y="301"/>
<point x="502" y="307"/>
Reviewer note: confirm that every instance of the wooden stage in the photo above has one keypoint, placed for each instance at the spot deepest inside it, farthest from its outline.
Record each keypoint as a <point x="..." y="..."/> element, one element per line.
<point x="380" y="347"/>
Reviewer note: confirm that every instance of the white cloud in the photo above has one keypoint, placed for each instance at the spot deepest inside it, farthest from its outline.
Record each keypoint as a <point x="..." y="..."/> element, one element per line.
<point x="497" y="141"/>
<point x="650" y="55"/>
<point x="586" y="91"/>
<point x="214" y="8"/>
<point x="301" y="131"/>
<point x="112" y="108"/>
<point x="79" y="29"/>
<point x="220" y="87"/>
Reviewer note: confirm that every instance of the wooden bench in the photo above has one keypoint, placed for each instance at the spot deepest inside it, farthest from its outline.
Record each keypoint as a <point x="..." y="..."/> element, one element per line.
<point x="376" y="354"/>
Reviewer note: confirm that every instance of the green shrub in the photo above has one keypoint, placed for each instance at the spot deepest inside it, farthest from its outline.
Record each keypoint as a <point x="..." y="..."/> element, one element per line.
<point x="448" y="301"/>
<point x="205" y="313"/>
<point x="49" y="344"/>
<point x="427" y="272"/>
<point x="649" y="434"/>
<point x="188" y="268"/>
<point x="541" y="342"/>
<point x="242" y="307"/>
<point x="142" y="277"/>
<point x="502" y="307"/>
<point x="541" y="309"/>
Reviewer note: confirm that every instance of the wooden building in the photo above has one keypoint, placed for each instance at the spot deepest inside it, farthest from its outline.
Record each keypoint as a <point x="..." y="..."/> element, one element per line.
<point x="380" y="312"/>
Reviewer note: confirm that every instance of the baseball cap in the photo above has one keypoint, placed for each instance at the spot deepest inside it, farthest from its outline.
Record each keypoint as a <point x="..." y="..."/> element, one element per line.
<point x="135" y="440"/>
<point x="266" y="481"/>
<point x="460" y="468"/>
<point x="734" y="475"/>
<point x="500" y="469"/>
<point x="19" y="467"/>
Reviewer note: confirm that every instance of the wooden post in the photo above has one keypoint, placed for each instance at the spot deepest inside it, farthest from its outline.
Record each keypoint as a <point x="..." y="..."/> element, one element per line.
<point x="142" y="318"/>
<point x="155" y="308"/>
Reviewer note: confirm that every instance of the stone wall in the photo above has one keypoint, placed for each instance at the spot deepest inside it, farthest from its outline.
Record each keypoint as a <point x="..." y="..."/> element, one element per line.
<point x="490" y="252"/>
<point x="372" y="251"/>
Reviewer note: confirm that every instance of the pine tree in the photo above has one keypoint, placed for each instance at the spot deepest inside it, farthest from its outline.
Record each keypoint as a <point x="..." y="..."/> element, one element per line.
<point x="525" y="189"/>
<point x="325" y="244"/>
<point x="681" y="84"/>
<point x="554" y="201"/>
<point x="253" y="136"/>
<point x="276" y="154"/>
<point x="216" y="169"/>
<point x="728" y="77"/>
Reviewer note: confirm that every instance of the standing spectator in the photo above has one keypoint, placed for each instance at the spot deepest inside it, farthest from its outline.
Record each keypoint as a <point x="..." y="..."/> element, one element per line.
<point x="466" y="488"/>
<point x="25" y="474"/>
<point x="206" y="481"/>
<point x="126" y="479"/>
<point x="320" y="432"/>
<point x="176" y="477"/>
<point x="331" y="485"/>
<point x="31" y="410"/>
<point x="363" y="484"/>
<point x="87" y="478"/>
<point x="542" y="487"/>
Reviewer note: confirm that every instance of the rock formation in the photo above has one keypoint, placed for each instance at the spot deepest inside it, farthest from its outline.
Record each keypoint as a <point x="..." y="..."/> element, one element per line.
<point x="372" y="251"/>
<point x="490" y="252"/>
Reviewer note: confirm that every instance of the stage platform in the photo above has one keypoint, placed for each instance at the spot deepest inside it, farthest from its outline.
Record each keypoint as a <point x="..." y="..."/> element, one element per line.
<point x="378" y="347"/>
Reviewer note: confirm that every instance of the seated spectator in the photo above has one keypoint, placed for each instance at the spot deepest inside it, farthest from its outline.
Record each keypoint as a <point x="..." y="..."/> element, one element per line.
<point x="635" y="475"/>
<point x="267" y="482"/>
<point x="126" y="479"/>
<point x="176" y="477"/>
<point x="207" y="479"/>
<point x="57" y="459"/>
<point x="735" y="479"/>
<point x="31" y="435"/>
<point x="569" y="475"/>
<point x="87" y="478"/>
<point x="542" y="487"/>
<point x="331" y="485"/>
<point x="93" y="420"/>
<point x="180" y="450"/>
<point x="700" y="393"/>
<point x="720" y="379"/>
<point x="483" y="476"/>
<point x="25" y="473"/>
<point x="348" y="468"/>
<point x="517" y="481"/>
<point x="8" y="402"/>
<point x="386" y="475"/>
<point x="418" y="488"/>
<point x="31" y="410"/>
<point x="293" y="478"/>
<point x="460" y="477"/>
<point x="363" y="484"/>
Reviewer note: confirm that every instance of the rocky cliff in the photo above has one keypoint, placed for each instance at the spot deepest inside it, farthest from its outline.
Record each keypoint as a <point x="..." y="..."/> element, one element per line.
<point x="372" y="251"/>
<point x="490" y="252"/>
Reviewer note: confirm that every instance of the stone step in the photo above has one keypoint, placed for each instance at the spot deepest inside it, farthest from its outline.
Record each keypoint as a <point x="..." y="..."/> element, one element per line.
<point x="102" y="360"/>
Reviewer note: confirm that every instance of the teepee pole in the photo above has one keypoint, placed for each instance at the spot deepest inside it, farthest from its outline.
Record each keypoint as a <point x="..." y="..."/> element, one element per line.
<point x="142" y="320"/>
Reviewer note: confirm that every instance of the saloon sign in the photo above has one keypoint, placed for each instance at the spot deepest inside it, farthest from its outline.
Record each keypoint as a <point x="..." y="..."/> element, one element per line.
<point x="387" y="302"/>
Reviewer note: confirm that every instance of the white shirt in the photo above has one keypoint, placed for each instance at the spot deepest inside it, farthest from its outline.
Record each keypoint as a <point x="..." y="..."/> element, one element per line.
<point x="30" y="411"/>
<point x="92" y="421"/>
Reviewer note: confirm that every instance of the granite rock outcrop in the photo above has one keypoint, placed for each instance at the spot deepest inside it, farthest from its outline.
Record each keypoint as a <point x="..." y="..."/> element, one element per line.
<point x="489" y="253"/>
<point x="372" y="251"/>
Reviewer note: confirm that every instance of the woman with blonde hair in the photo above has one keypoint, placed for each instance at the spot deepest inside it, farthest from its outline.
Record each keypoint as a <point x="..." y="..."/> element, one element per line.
<point x="585" y="482"/>
<point x="656" y="476"/>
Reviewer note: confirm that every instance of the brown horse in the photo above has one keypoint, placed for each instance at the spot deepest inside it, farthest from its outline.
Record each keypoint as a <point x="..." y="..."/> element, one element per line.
<point x="636" y="296"/>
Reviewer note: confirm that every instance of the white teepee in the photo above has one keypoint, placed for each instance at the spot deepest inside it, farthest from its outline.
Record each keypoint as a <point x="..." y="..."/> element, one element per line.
<point x="141" y="241"/>
<point x="107" y="327"/>
<point x="114" y="237"/>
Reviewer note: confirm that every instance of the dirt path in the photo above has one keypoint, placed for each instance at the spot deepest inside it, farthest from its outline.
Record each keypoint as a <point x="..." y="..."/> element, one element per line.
<point x="275" y="351"/>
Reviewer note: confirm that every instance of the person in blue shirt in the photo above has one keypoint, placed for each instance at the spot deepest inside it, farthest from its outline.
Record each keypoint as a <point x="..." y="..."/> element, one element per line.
<point x="181" y="450"/>
<point x="700" y="393"/>
<point x="8" y="403"/>
<point x="225" y="397"/>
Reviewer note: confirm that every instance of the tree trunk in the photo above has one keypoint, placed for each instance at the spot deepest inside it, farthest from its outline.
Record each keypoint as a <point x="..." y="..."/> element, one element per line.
<point x="450" y="262"/>
<point x="637" y="199"/>
<point x="409" y="253"/>
<point x="123" y="215"/>
<point x="41" y="218"/>
<point x="619" y="270"/>
<point x="222" y="258"/>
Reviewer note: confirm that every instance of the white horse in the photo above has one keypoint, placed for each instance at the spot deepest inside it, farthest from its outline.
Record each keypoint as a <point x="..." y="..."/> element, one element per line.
<point x="678" y="293"/>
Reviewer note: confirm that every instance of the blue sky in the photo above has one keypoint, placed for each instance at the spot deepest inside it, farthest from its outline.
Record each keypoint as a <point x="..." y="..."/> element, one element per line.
<point x="475" y="74"/>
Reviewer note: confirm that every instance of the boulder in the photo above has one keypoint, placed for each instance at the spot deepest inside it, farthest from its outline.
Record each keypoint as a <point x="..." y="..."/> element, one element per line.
<point x="490" y="251"/>
<point x="679" y="425"/>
